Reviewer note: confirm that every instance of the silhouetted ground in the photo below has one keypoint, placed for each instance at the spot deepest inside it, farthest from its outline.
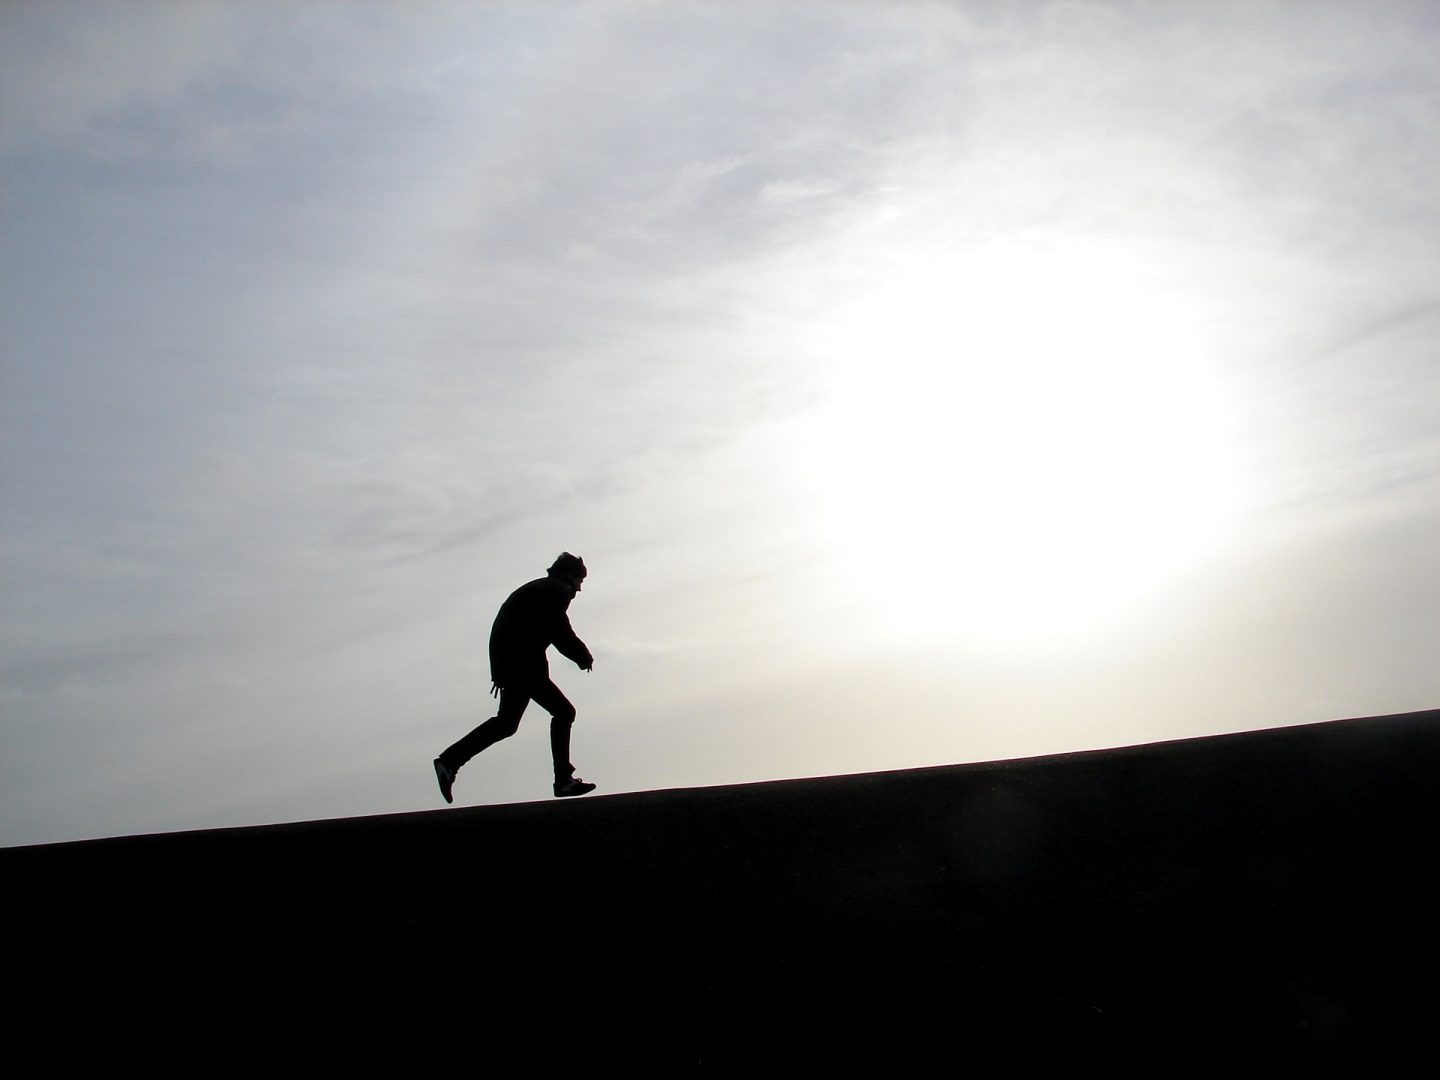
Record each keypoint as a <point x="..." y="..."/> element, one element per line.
<point x="1256" y="898"/>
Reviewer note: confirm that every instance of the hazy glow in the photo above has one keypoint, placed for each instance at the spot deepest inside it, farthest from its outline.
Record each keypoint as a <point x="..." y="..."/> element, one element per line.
<point x="824" y="332"/>
<point x="1030" y="434"/>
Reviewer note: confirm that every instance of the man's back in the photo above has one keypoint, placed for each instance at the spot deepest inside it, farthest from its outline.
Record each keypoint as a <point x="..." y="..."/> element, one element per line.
<point x="530" y="620"/>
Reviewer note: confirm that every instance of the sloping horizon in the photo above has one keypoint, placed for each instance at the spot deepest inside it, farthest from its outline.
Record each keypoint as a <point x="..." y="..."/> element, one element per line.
<point x="921" y="382"/>
<point x="482" y="804"/>
<point x="462" y="808"/>
<point x="1253" y="894"/>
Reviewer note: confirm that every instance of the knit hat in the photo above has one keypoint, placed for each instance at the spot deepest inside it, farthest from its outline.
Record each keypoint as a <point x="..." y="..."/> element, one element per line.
<point x="570" y="566"/>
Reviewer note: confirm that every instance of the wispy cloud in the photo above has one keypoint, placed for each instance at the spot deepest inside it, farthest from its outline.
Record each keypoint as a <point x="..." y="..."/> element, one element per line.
<point x="322" y="328"/>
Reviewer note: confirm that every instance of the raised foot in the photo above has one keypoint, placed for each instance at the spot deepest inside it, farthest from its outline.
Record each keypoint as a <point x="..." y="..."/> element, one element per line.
<point x="446" y="776"/>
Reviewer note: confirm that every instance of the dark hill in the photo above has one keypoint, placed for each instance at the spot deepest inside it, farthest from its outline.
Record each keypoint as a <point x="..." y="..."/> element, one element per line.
<point x="1259" y="897"/>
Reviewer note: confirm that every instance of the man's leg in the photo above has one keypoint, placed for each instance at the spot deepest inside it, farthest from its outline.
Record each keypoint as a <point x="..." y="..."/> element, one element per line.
<point x="562" y="716"/>
<point x="500" y="726"/>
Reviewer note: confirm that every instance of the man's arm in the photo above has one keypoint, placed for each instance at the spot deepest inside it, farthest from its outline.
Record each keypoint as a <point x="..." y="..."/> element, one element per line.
<point x="571" y="646"/>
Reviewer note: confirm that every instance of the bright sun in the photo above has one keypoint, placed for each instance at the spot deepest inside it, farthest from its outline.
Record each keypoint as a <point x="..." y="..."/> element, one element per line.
<point x="1022" y="445"/>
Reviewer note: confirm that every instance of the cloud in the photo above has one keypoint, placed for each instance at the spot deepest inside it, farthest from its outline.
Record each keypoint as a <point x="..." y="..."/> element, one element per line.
<point x="66" y="70"/>
<point x="318" y="327"/>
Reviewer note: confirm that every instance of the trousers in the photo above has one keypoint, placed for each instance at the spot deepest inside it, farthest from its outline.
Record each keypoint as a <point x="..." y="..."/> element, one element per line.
<point x="513" y="701"/>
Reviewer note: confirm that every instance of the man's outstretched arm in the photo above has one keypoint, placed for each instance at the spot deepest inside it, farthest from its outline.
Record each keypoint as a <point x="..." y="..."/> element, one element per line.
<point x="571" y="646"/>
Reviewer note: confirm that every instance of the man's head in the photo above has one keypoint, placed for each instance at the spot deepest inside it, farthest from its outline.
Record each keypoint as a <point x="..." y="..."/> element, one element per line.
<point x="569" y="568"/>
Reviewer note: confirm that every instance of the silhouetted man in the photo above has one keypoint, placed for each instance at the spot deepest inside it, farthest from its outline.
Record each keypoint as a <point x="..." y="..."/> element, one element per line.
<point x="529" y="622"/>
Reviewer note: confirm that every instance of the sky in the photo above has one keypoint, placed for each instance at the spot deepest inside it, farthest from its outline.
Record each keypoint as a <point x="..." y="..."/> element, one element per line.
<point x="922" y="383"/>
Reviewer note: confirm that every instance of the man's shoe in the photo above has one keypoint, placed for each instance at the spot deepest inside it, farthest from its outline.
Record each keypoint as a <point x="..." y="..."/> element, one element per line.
<point x="565" y="789"/>
<point x="446" y="776"/>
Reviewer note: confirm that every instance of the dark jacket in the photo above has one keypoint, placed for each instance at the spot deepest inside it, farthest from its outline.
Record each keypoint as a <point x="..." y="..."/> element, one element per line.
<point x="530" y="621"/>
